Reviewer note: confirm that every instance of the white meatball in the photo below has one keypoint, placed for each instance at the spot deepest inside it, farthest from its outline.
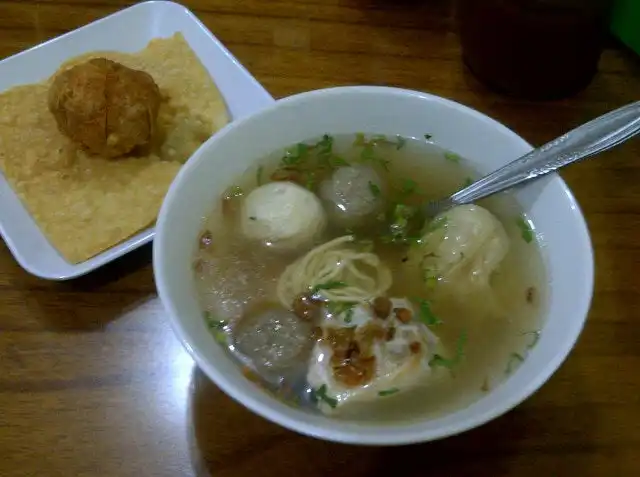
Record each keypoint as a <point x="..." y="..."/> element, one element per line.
<point x="284" y="214"/>
<point x="354" y="193"/>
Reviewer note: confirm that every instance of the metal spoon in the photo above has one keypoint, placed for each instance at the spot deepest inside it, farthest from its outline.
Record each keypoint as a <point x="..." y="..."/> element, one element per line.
<point x="592" y="138"/>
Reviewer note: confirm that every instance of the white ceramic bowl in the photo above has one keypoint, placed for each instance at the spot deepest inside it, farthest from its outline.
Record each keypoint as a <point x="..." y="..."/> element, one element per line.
<point x="560" y="228"/>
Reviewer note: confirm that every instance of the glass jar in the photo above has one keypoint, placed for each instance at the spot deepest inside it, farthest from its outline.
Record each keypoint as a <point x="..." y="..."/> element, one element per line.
<point x="540" y="49"/>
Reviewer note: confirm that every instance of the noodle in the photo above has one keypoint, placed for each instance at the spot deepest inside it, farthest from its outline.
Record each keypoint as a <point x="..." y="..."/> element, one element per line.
<point x="335" y="262"/>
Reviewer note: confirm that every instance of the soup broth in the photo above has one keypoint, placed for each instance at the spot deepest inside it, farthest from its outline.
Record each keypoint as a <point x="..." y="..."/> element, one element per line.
<point x="475" y="320"/>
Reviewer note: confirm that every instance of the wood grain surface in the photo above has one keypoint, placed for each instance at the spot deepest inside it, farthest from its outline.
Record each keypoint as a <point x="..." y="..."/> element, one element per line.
<point x="93" y="382"/>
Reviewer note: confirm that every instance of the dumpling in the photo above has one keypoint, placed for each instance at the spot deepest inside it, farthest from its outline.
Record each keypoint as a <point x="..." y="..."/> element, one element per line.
<point x="464" y="245"/>
<point x="283" y="214"/>
<point x="353" y="194"/>
<point x="362" y="357"/>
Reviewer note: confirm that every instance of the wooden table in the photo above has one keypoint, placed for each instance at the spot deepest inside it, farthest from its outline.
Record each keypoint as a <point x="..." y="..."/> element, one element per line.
<point x="94" y="383"/>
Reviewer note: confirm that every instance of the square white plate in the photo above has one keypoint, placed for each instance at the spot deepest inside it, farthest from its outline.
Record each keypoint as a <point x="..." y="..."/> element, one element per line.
<point x="138" y="25"/>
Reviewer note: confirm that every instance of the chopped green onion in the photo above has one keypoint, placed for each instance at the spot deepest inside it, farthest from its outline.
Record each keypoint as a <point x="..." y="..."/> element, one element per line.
<point x="324" y="149"/>
<point x="311" y="181"/>
<point x="430" y="280"/>
<point x="338" y="161"/>
<point x="375" y="189"/>
<point x="452" y="156"/>
<point x="437" y="223"/>
<point x="344" y="309"/>
<point x="515" y="359"/>
<point x="462" y="340"/>
<point x="426" y="314"/>
<point x="235" y="191"/>
<point x="366" y="154"/>
<point x="429" y="276"/>
<point x="388" y="392"/>
<point x="325" y="145"/>
<point x="328" y="286"/>
<point x="438" y="360"/>
<point x="401" y="239"/>
<point x="525" y="229"/>
<point x="302" y="160"/>
<point x="216" y="326"/>
<point x="399" y="228"/>
<point x="535" y="339"/>
<point x="428" y="137"/>
<point x="294" y="401"/>
<point x="348" y="316"/>
<point x="379" y="140"/>
<point x="320" y="394"/>
<point x="291" y="157"/>
<point x="315" y="395"/>
<point x="366" y="245"/>
<point x="409" y="186"/>
<point x="296" y="154"/>
<point x="301" y="149"/>
<point x="259" y="173"/>
<point x="212" y="322"/>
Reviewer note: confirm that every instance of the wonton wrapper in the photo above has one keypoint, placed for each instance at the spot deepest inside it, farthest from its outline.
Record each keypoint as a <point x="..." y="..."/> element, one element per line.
<point x="464" y="245"/>
<point x="398" y="369"/>
<point x="86" y="204"/>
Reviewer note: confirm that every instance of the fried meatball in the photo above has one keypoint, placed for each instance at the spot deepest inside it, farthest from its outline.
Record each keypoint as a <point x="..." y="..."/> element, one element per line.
<point x="107" y="108"/>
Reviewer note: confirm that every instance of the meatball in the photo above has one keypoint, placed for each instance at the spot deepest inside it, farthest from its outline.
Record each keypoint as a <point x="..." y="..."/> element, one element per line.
<point x="106" y="108"/>
<point x="354" y="193"/>
<point x="273" y="339"/>
<point x="283" y="214"/>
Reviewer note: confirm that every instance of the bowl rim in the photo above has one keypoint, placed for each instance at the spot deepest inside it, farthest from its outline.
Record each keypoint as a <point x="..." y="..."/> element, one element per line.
<point x="362" y="435"/>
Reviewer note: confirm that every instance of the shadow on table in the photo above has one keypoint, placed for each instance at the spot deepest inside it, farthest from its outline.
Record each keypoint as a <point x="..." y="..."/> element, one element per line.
<point x="226" y="439"/>
<point x="92" y="301"/>
<point x="128" y="269"/>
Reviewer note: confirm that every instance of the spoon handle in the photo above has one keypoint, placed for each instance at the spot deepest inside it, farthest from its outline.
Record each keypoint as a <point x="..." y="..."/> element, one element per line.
<point x="592" y="138"/>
